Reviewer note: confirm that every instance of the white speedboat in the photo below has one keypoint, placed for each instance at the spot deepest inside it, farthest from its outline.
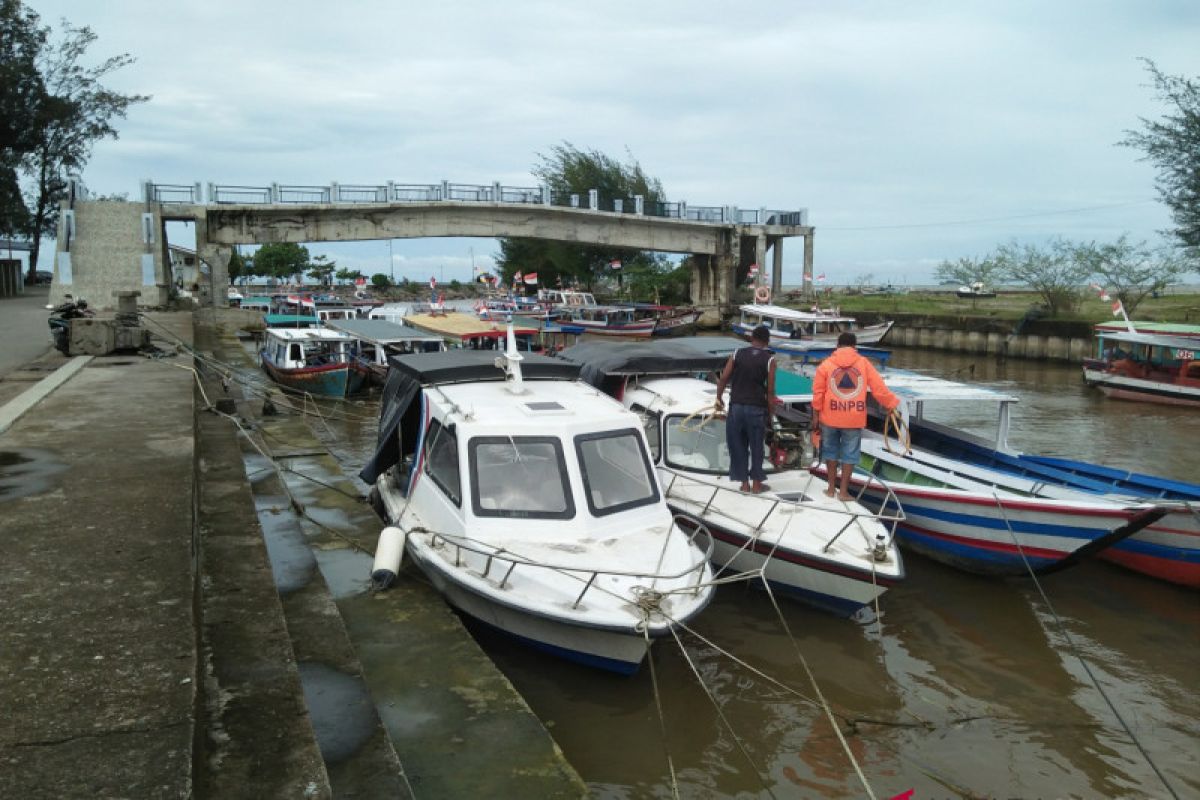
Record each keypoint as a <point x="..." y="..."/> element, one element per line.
<point x="529" y="500"/>
<point x="835" y="555"/>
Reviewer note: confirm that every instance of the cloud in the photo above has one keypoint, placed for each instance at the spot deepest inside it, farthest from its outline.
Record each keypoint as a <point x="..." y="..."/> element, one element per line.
<point x="871" y="115"/>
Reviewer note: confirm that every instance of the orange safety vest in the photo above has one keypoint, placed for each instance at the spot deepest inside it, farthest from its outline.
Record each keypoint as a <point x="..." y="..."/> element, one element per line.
<point x="840" y="389"/>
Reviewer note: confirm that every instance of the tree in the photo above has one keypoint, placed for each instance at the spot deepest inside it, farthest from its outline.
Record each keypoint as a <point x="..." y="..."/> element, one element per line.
<point x="568" y="170"/>
<point x="74" y="111"/>
<point x="237" y="266"/>
<point x="1055" y="271"/>
<point x="21" y="91"/>
<point x="968" y="271"/>
<point x="380" y="281"/>
<point x="1172" y="144"/>
<point x="321" y="269"/>
<point x="281" y="260"/>
<point x="1132" y="272"/>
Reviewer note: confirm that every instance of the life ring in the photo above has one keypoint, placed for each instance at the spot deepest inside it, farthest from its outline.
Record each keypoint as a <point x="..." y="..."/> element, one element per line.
<point x="762" y="295"/>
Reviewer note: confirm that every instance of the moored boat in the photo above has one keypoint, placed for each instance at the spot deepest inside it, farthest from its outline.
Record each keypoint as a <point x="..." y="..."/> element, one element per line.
<point x="1147" y="367"/>
<point x="834" y="555"/>
<point x="528" y="499"/>
<point x="979" y="519"/>
<point x="312" y="360"/>
<point x="611" y="321"/>
<point x="466" y="331"/>
<point x="790" y="327"/>
<point x="377" y="340"/>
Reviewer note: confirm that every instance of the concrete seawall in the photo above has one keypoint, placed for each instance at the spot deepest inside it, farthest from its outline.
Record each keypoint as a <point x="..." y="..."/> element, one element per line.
<point x="1041" y="340"/>
<point x="1032" y="346"/>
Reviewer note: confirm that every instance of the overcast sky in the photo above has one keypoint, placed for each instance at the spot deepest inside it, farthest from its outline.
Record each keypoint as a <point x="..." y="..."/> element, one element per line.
<point x="912" y="132"/>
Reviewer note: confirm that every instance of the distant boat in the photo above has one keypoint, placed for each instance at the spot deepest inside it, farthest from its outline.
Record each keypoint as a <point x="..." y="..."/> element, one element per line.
<point x="975" y="290"/>
<point x="1149" y="367"/>
<point x="376" y="340"/>
<point x="611" y="321"/>
<point x="467" y="331"/>
<point x="820" y="326"/>
<point x="668" y="320"/>
<point x="311" y="360"/>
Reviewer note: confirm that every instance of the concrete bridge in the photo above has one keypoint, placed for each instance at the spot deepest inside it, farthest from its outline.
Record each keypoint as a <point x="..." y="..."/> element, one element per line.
<point x="107" y="246"/>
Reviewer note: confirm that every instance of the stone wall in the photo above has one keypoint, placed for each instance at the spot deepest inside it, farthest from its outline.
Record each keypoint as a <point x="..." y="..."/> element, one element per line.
<point x="1036" y="339"/>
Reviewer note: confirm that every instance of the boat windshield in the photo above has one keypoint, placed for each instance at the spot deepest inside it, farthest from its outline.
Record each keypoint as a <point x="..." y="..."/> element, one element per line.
<point x="616" y="471"/>
<point x="696" y="444"/>
<point x="519" y="476"/>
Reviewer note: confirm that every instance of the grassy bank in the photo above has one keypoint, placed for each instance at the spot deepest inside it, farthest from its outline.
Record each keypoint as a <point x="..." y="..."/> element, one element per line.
<point x="1007" y="306"/>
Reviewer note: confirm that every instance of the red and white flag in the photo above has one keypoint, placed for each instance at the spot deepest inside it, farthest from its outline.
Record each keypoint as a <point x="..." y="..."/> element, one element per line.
<point x="1118" y="309"/>
<point x="753" y="270"/>
<point x="821" y="278"/>
<point x="432" y="282"/>
<point x="531" y="278"/>
<point x="517" y="278"/>
<point x="614" y="264"/>
<point x="1101" y="290"/>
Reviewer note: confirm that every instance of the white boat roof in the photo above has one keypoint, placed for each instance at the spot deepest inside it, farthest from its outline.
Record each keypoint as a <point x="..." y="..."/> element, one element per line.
<point x="1153" y="339"/>
<point x="381" y="331"/>
<point x="542" y="407"/>
<point x="779" y="312"/>
<point x="672" y="395"/>
<point x="309" y="334"/>
<point x="915" y="387"/>
<point x="391" y="308"/>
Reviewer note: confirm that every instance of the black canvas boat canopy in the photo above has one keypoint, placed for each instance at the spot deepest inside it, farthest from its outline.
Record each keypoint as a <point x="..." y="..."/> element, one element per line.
<point x="400" y="409"/>
<point x="603" y="360"/>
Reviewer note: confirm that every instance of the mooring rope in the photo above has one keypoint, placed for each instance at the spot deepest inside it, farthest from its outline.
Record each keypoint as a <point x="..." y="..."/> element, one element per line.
<point x="662" y="717"/>
<point x="1075" y="651"/>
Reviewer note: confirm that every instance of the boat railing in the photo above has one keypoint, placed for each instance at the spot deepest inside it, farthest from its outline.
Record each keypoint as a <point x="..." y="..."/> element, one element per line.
<point x="774" y="503"/>
<point x="694" y="572"/>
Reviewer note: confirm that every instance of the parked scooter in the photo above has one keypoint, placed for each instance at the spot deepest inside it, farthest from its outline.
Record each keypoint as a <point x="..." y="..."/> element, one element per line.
<point x="60" y="321"/>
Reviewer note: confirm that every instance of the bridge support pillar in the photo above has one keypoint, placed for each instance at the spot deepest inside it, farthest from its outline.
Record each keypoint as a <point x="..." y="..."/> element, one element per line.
<point x="217" y="257"/>
<point x="808" y="263"/>
<point x="760" y="252"/>
<point x="776" y="266"/>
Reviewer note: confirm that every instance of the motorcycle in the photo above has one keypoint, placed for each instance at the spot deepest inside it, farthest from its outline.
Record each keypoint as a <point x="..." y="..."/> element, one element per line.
<point x="60" y="321"/>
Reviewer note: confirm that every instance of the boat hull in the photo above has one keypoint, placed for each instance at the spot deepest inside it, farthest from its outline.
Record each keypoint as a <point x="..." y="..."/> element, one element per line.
<point x="636" y="330"/>
<point x="1160" y="392"/>
<point x="869" y="334"/>
<point x="980" y="534"/>
<point x="330" y="380"/>
<point x="615" y="649"/>
<point x="677" y="325"/>
<point x="836" y="588"/>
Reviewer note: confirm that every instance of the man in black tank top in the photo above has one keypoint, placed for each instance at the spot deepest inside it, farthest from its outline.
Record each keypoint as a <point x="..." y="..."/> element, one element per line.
<point x="750" y="373"/>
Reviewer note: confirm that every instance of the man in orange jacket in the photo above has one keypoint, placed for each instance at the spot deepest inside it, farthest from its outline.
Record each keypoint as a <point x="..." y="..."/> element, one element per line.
<point x="840" y="409"/>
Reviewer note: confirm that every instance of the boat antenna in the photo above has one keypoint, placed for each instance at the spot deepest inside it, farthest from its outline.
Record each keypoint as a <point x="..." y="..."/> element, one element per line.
<point x="510" y="362"/>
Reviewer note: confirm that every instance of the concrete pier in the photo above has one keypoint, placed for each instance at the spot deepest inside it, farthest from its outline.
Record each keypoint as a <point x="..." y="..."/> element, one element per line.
<point x="150" y="649"/>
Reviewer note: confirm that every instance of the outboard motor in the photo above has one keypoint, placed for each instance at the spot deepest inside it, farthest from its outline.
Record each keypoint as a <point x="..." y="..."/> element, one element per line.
<point x="60" y="321"/>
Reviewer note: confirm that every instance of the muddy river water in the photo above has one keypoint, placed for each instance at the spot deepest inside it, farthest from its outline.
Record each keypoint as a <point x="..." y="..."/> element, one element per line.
<point x="963" y="686"/>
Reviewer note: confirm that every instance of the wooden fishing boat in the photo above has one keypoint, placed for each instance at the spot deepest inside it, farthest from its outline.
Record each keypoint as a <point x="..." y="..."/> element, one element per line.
<point x="311" y="360"/>
<point x="527" y="498"/>
<point x="611" y="321"/>
<point x="796" y="329"/>
<point x="1147" y="367"/>
<point x="377" y="340"/>
<point x="976" y="518"/>
<point x="466" y="331"/>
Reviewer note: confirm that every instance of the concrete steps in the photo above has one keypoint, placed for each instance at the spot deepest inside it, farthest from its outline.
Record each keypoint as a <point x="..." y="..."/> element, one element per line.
<point x="400" y="659"/>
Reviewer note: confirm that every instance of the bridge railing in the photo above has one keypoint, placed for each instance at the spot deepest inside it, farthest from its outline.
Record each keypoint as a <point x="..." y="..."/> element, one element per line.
<point x="171" y="192"/>
<point x="393" y="192"/>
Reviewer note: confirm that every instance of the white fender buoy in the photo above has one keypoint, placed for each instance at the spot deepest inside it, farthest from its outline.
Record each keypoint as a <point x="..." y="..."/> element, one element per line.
<point x="388" y="553"/>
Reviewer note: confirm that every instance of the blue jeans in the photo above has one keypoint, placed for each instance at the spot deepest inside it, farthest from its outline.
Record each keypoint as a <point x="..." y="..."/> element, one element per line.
<point x="840" y="444"/>
<point x="745" y="430"/>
